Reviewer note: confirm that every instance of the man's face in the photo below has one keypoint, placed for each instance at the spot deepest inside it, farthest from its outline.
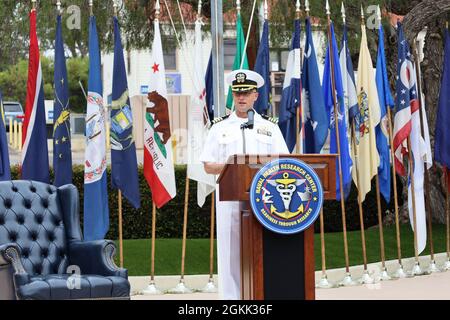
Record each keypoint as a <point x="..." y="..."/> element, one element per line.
<point x="244" y="101"/>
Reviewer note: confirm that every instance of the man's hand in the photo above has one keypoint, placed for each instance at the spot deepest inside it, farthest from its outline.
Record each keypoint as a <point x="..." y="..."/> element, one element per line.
<point x="213" y="168"/>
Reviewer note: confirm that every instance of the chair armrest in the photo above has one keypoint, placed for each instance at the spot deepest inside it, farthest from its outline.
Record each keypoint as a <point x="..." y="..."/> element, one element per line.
<point x="10" y="255"/>
<point x="95" y="257"/>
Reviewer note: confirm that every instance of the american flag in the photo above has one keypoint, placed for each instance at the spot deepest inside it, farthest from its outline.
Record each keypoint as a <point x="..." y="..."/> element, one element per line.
<point x="406" y="101"/>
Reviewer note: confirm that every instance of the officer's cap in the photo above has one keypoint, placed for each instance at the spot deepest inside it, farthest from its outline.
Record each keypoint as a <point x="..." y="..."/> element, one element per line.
<point x="244" y="80"/>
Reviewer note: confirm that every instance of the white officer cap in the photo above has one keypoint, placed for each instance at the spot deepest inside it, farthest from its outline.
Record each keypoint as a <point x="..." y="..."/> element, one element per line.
<point x="244" y="80"/>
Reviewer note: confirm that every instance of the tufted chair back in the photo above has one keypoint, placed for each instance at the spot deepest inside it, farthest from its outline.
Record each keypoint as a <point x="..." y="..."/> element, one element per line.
<point x="31" y="216"/>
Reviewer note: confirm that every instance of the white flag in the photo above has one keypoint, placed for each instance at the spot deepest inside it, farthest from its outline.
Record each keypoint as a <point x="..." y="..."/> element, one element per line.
<point x="158" y="159"/>
<point x="421" y="149"/>
<point x="198" y="124"/>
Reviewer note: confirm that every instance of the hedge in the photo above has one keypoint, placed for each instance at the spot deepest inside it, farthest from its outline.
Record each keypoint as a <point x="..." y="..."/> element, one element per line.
<point x="169" y="219"/>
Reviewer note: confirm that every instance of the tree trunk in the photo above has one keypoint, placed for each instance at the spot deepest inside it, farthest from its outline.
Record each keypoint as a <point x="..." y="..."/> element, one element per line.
<point x="432" y="14"/>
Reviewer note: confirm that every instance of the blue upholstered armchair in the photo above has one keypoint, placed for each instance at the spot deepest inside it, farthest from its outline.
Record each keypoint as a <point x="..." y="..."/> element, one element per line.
<point x="42" y="253"/>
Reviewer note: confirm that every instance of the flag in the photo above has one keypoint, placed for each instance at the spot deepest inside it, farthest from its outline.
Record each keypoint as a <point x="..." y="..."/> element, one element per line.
<point x="5" y="171"/>
<point x="158" y="160"/>
<point x="382" y="135"/>
<point x="240" y="52"/>
<point x="366" y="154"/>
<point x="209" y="82"/>
<point x="442" y="135"/>
<point x="421" y="151"/>
<point x="262" y="66"/>
<point x="62" y="151"/>
<point x="406" y="102"/>
<point x="291" y="94"/>
<point x="349" y="86"/>
<point x="198" y="125"/>
<point x="34" y="132"/>
<point x="346" y="161"/>
<point x="124" y="172"/>
<point x="315" y="120"/>
<point x="96" y="211"/>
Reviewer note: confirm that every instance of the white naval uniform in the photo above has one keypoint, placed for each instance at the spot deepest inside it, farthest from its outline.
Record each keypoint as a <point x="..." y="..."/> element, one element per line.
<point x="225" y="139"/>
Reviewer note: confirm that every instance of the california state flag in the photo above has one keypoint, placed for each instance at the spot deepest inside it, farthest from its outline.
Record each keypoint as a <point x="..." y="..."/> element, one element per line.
<point x="158" y="160"/>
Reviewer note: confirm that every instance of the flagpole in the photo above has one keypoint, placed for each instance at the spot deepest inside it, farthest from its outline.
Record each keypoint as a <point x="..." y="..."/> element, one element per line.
<point x="297" y="132"/>
<point x="91" y="9"/>
<point x="347" y="280"/>
<point x="433" y="267"/>
<point x="400" y="273"/>
<point x="33" y="5"/>
<point x="447" y="216"/>
<point x="416" y="269"/>
<point x="181" y="287"/>
<point x="384" y="275"/>
<point x="151" y="288"/>
<point x="210" y="286"/>
<point x="119" y="196"/>
<point x="366" y="278"/>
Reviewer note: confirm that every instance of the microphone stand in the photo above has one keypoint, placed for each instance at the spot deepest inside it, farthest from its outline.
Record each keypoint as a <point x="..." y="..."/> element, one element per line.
<point x="248" y="125"/>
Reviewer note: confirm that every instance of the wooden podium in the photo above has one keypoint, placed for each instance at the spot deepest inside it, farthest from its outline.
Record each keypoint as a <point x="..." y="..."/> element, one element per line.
<point x="273" y="266"/>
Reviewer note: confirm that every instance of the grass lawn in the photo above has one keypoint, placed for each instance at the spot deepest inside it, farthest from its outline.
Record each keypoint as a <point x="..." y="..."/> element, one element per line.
<point x="168" y="251"/>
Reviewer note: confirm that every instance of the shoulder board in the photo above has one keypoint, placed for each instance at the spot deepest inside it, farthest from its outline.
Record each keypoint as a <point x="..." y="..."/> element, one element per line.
<point x="271" y="119"/>
<point x="219" y="119"/>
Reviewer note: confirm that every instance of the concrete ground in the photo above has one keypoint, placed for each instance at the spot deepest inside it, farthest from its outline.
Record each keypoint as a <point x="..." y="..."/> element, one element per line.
<point x="435" y="286"/>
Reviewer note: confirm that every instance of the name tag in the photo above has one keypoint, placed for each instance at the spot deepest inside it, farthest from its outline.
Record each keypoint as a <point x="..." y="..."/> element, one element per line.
<point x="264" y="132"/>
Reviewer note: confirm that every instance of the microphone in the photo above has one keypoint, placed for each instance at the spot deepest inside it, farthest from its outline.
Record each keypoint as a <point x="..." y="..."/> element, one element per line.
<point x="251" y="118"/>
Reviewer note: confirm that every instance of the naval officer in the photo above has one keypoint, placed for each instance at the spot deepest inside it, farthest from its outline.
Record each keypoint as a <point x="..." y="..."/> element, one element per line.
<point x="242" y="132"/>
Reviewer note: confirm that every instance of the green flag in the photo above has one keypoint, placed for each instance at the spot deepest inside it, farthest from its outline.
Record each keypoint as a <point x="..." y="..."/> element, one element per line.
<point x="240" y="46"/>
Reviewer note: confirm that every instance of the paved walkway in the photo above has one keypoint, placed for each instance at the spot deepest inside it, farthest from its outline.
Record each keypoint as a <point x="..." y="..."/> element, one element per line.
<point x="435" y="286"/>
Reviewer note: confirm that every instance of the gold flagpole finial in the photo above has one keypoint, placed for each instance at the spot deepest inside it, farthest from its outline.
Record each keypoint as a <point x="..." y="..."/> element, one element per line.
<point x="115" y="7"/>
<point x="58" y="7"/>
<point x="157" y="8"/>
<point x="327" y="7"/>
<point x="33" y="4"/>
<point x="343" y="12"/>
<point x="91" y="7"/>
<point x="266" y="10"/>
<point x="307" y="7"/>
<point x="379" y="14"/>
<point x="199" y="9"/>
<point x="238" y="6"/>
<point x="362" y="15"/>
<point x="297" y="6"/>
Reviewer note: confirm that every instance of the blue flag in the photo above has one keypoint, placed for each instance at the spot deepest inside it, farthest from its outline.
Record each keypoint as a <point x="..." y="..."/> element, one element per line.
<point x="124" y="172"/>
<point x="382" y="135"/>
<point x="442" y="135"/>
<point x="96" y="211"/>
<point x="315" y="116"/>
<point x="290" y="97"/>
<point x="62" y="154"/>
<point x="209" y="83"/>
<point x="34" y="132"/>
<point x="262" y="66"/>
<point x="5" y="170"/>
<point x="346" y="161"/>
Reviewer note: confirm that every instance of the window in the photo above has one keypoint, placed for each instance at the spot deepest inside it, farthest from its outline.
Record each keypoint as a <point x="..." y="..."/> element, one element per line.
<point x="278" y="58"/>
<point x="229" y="51"/>
<point x="170" y="56"/>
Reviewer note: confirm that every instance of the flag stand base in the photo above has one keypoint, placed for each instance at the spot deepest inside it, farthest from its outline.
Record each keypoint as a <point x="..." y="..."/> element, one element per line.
<point x="324" y="283"/>
<point x="348" y="281"/>
<point x="417" y="271"/>
<point x="151" y="290"/>
<point x="366" y="278"/>
<point x="210" y="287"/>
<point x="400" y="273"/>
<point x="433" y="267"/>
<point x="180" y="288"/>
<point x="384" y="276"/>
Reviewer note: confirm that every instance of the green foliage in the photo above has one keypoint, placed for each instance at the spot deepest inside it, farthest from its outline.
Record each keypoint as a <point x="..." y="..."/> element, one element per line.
<point x="169" y="219"/>
<point x="13" y="81"/>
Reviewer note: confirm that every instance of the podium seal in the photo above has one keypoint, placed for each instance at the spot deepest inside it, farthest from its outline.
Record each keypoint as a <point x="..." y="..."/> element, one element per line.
<point x="286" y="196"/>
